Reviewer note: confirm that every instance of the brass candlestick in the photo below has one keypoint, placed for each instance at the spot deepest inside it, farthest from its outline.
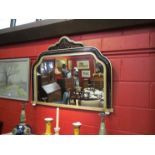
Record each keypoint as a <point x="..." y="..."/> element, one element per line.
<point x="48" y="127"/>
<point x="76" y="126"/>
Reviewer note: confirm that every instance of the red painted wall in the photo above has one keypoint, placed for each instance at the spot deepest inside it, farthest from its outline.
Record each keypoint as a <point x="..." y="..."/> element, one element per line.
<point x="132" y="53"/>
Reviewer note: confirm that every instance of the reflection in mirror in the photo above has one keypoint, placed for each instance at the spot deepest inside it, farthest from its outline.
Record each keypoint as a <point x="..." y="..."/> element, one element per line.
<point x="76" y="80"/>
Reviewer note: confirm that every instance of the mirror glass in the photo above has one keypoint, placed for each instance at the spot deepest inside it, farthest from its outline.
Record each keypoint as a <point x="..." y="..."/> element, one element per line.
<point x="72" y="78"/>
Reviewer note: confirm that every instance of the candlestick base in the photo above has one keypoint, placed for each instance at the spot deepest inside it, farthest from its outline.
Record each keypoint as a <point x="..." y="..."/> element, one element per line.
<point x="56" y="130"/>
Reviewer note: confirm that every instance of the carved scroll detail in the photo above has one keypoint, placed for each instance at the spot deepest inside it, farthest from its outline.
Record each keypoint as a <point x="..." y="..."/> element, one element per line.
<point x="64" y="43"/>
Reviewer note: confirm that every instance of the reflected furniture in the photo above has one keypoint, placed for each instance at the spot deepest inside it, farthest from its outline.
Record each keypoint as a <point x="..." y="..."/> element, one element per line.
<point x="97" y="81"/>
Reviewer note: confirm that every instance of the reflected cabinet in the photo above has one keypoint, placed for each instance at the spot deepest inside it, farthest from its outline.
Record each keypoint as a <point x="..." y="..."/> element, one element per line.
<point x="72" y="75"/>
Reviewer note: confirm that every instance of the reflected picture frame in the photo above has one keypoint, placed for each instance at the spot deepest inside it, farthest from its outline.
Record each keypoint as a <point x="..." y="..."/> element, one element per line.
<point x="83" y="64"/>
<point x="14" y="78"/>
<point x="85" y="73"/>
<point x="59" y="63"/>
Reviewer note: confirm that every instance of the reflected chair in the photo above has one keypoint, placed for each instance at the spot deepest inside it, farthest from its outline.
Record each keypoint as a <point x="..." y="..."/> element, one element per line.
<point x="97" y="81"/>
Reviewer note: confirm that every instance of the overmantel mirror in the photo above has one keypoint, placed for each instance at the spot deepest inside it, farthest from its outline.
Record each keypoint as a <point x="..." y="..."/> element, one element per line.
<point x="71" y="75"/>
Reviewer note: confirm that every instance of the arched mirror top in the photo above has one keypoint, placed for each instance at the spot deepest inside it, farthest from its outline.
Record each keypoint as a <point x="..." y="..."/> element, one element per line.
<point x="71" y="75"/>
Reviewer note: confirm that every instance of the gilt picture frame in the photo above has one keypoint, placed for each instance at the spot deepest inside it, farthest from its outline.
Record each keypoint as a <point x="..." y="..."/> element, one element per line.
<point x="14" y="78"/>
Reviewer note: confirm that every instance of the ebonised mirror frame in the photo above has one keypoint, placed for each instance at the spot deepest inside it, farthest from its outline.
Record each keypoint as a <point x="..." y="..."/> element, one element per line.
<point x="71" y="75"/>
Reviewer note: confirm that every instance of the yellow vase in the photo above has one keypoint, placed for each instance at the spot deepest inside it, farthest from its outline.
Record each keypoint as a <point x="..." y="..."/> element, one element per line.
<point x="48" y="126"/>
<point x="76" y="129"/>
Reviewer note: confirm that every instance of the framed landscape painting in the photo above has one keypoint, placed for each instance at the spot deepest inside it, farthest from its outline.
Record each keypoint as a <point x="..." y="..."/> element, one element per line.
<point x="14" y="78"/>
